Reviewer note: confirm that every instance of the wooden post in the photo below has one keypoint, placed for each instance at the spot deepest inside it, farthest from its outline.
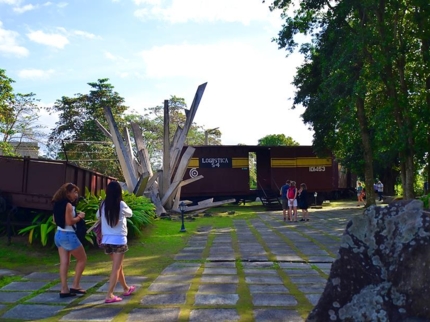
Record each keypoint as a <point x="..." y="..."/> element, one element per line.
<point x="124" y="160"/>
<point x="166" y="151"/>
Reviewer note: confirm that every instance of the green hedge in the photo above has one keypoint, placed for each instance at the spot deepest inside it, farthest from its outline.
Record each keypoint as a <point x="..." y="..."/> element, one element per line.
<point x="43" y="228"/>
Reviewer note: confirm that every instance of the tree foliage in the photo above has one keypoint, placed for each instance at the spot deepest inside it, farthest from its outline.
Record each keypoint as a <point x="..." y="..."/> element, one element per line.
<point x="19" y="115"/>
<point x="277" y="140"/>
<point x="77" y="136"/>
<point x="365" y="81"/>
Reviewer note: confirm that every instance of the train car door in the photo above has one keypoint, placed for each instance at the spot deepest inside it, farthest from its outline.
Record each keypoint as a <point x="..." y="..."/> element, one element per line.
<point x="264" y="176"/>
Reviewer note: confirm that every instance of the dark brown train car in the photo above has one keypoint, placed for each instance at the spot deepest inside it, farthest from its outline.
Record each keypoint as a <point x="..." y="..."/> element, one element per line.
<point x="226" y="172"/>
<point x="31" y="183"/>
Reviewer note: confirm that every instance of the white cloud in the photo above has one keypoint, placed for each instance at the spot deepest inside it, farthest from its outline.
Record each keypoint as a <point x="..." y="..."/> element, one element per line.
<point x="85" y="34"/>
<point x="151" y="2"/>
<point x="181" y="11"/>
<point x="35" y="73"/>
<point x="12" y="2"/>
<point x="62" y="4"/>
<point x="27" y="7"/>
<point x="9" y="45"/>
<point x="53" y="40"/>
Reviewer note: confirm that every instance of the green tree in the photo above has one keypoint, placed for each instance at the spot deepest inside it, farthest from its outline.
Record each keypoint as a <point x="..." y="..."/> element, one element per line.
<point x="77" y="136"/>
<point x="19" y="114"/>
<point x="361" y="83"/>
<point x="6" y="94"/>
<point x="277" y="140"/>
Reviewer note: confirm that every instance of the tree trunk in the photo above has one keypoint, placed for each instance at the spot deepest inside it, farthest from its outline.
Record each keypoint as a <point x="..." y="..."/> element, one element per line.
<point x="368" y="153"/>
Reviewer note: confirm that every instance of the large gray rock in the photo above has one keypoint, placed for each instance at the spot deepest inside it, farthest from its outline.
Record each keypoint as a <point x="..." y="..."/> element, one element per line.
<point x="382" y="272"/>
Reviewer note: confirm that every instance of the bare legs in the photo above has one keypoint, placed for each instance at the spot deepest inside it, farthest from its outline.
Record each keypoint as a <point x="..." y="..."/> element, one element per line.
<point x="81" y="260"/>
<point x="117" y="274"/>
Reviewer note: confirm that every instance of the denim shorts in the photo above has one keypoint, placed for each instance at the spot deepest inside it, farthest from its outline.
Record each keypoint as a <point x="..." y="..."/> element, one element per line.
<point x="67" y="239"/>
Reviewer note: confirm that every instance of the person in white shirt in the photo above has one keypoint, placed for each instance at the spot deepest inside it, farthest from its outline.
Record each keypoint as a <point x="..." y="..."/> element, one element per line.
<point x="380" y="187"/>
<point x="113" y="213"/>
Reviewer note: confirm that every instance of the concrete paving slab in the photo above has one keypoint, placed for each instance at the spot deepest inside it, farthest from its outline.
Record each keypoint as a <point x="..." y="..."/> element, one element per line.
<point x="217" y="288"/>
<point x="12" y="297"/>
<point x="99" y="314"/>
<point x="311" y="288"/>
<point x="52" y="298"/>
<point x="257" y="271"/>
<point x="260" y="299"/>
<point x="313" y="298"/>
<point x="186" y="270"/>
<point x="320" y="259"/>
<point x="188" y="256"/>
<point x="289" y="258"/>
<point x="154" y="315"/>
<point x="219" y="279"/>
<point x="8" y="272"/>
<point x="24" y="286"/>
<point x="169" y="288"/>
<point x="220" y="271"/>
<point x="174" y="278"/>
<point x="226" y="257"/>
<point x="263" y="280"/>
<point x="42" y="276"/>
<point x="32" y="312"/>
<point x="301" y="272"/>
<point x="2" y="306"/>
<point x="267" y="288"/>
<point x="164" y="299"/>
<point x="264" y="264"/>
<point x="216" y="299"/>
<point x="272" y="315"/>
<point x="214" y="315"/>
<point x="308" y="280"/>
<point x="220" y="264"/>
<point x="295" y="265"/>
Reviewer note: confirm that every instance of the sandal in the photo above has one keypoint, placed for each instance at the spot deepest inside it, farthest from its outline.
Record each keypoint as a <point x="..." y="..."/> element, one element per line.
<point x="70" y="294"/>
<point x="130" y="291"/>
<point x="113" y="299"/>
<point x="77" y="291"/>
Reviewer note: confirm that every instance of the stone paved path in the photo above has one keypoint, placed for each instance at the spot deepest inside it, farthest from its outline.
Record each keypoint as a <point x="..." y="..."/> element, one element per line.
<point x="275" y="266"/>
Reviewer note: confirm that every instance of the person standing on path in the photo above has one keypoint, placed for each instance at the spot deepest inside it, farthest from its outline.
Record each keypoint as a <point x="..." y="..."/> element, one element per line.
<point x="113" y="213"/>
<point x="302" y="197"/>
<point x="292" y="201"/>
<point x="380" y="187"/>
<point x="360" y="194"/>
<point x="284" y="200"/>
<point x="65" y="239"/>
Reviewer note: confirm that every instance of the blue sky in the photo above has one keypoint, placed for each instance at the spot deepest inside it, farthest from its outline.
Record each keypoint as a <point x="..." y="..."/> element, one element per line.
<point x="152" y="49"/>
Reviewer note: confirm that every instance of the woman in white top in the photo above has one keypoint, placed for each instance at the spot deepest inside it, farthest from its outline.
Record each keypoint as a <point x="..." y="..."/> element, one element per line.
<point x="114" y="213"/>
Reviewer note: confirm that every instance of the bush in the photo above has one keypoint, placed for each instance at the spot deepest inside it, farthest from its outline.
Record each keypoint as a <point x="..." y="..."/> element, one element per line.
<point x="43" y="227"/>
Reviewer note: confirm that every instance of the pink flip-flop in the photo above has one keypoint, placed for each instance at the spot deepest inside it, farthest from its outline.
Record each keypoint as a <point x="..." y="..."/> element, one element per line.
<point x="130" y="291"/>
<point x="113" y="299"/>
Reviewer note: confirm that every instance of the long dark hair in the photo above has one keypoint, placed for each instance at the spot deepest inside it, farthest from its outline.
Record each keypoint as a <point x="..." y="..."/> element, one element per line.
<point x="112" y="203"/>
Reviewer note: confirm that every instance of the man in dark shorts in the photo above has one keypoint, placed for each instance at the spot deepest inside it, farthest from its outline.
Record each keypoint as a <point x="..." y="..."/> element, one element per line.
<point x="284" y="199"/>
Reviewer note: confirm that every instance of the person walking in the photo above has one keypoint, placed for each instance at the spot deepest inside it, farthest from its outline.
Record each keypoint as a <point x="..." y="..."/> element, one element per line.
<point x="380" y="187"/>
<point x="302" y="196"/>
<point x="360" y="193"/>
<point x="284" y="200"/>
<point x="68" y="244"/>
<point x="113" y="213"/>
<point x="292" y="201"/>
